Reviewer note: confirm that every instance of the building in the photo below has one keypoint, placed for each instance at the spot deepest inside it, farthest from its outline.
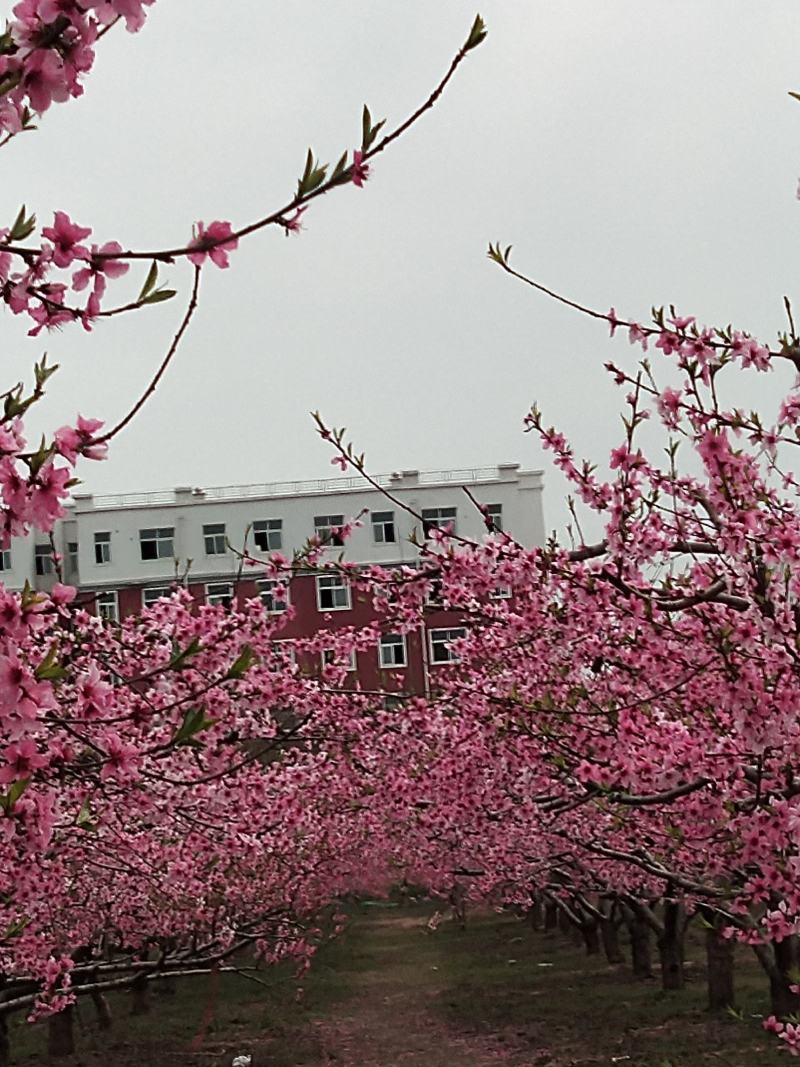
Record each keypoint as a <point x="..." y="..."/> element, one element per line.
<point x="125" y="551"/>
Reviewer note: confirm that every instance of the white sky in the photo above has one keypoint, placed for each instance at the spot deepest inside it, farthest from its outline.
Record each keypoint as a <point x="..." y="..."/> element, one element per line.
<point x="634" y="153"/>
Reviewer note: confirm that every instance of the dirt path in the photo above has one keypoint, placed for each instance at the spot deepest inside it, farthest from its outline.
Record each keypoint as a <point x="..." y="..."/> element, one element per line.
<point x="394" y="1016"/>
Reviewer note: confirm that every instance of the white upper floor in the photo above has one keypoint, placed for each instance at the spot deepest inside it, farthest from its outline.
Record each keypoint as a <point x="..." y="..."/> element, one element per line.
<point x="114" y="540"/>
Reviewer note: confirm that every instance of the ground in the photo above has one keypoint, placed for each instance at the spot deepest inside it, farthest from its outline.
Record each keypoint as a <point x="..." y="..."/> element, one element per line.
<point x="389" y="993"/>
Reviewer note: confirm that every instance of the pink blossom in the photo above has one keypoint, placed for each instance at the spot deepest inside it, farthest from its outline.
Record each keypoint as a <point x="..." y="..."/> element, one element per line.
<point x="215" y="242"/>
<point x="636" y="334"/>
<point x="683" y="322"/>
<point x="293" y="223"/>
<point x="613" y="321"/>
<point x="21" y="759"/>
<point x="44" y="79"/>
<point x="131" y="10"/>
<point x="65" y="235"/>
<point x="101" y="265"/>
<point x="339" y="461"/>
<point x="360" y="168"/>
<point x="122" y="758"/>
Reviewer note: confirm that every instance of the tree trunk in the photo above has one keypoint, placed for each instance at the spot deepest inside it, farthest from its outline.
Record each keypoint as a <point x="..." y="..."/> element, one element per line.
<point x="564" y="925"/>
<point x="535" y="914"/>
<point x="140" y="1001"/>
<point x="670" y="946"/>
<point x="550" y="916"/>
<point x="61" y="1034"/>
<point x="639" y="933"/>
<point x="609" y="933"/>
<point x="103" y="1011"/>
<point x="591" y="936"/>
<point x="719" y="958"/>
<point x="784" y="1001"/>
<point x="5" y="1043"/>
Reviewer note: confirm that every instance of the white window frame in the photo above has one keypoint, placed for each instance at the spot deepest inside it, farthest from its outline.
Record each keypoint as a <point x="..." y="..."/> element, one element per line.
<point x="440" y="522"/>
<point x="162" y="536"/>
<point x="266" y="587"/>
<point x="501" y="592"/>
<point x="327" y="527"/>
<point x="102" y="548"/>
<point x="325" y="581"/>
<point x="43" y="562"/>
<point x="214" y="535"/>
<point x="436" y="641"/>
<point x="5" y="560"/>
<point x="494" y="513"/>
<point x="385" y="644"/>
<point x="162" y="590"/>
<point x="290" y="652"/>
<point x="380" y="520"/>
<point x="72" y="555"/>
<point x="327" y="659"/>
<point x="217" y="599"/>
<point x="271" y="530"/>
<point x="104" y="599"/>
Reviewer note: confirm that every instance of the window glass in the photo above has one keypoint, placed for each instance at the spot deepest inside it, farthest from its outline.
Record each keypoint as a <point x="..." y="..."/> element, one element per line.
<point x="268" y="534"/>
<point x="214" y="538"/>
<point x="392" y="650"/>
<point x="333" y="592"/>
<point x="383" y="529"/>
<point x="328" y="529"/>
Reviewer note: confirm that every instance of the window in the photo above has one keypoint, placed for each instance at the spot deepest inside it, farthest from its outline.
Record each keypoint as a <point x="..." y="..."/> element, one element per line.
<point x="107" y="606"/>
<point x="383" y="532"/>
<point x="440" y="644"/>
<point x="331" y="659"/>
<point x="102" y="547"/>
<point x="43" y="559"/>
<point x="494" y="515"/>
<point x="433" y="594"/>
<point x="268" y="534"/>
<point x="157" y="543"/>
<point x="392" y="650"/>
<point x="438" y="517"/>
<point x="501" y="592"/>
<point x="285" y="652"/>
<point x="153" y="594"/>
<point x="220" y="594"/>
<point x="72" y="555"/>
<point x="214" y="538"/>
<point x="328" y="529"/>
<point x="5" y="559"/>
<point x="333" y="592"/>
<point x="274" y="595"/>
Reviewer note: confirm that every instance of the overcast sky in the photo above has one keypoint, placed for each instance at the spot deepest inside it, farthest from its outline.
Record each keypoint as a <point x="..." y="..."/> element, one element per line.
<point x="633" y="152"/>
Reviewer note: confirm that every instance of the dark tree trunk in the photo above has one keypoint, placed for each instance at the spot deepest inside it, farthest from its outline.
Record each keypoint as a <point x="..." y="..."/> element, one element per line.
<point x="564" y="925"/>
<point x="61" y="1034"/>
<point x="719" y="958"/>
<point x="140" y="1000"/>
<point x="670" y="946"/>
<point x="781" y="966"/>
<point x="5" y="1043"/>
<point x="535" y="914"/>
<point x="102" y="1010"/>
<point x="641" y="961"/>
<point x="591" y="936"/>
<point x="609" y="933"/>
<point x="550" y="916"/>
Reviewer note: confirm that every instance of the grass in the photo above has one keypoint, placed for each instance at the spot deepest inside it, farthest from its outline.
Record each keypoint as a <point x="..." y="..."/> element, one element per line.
<point x="503" y="976"/>
<point x="537" y="995"/>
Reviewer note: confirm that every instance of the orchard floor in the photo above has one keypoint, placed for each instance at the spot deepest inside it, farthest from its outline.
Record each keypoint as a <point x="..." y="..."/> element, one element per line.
<point x="389" y="993"/>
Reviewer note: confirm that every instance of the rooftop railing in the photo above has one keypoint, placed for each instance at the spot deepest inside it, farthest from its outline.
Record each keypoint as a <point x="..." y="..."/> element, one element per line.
<point x="396" y="480"/>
